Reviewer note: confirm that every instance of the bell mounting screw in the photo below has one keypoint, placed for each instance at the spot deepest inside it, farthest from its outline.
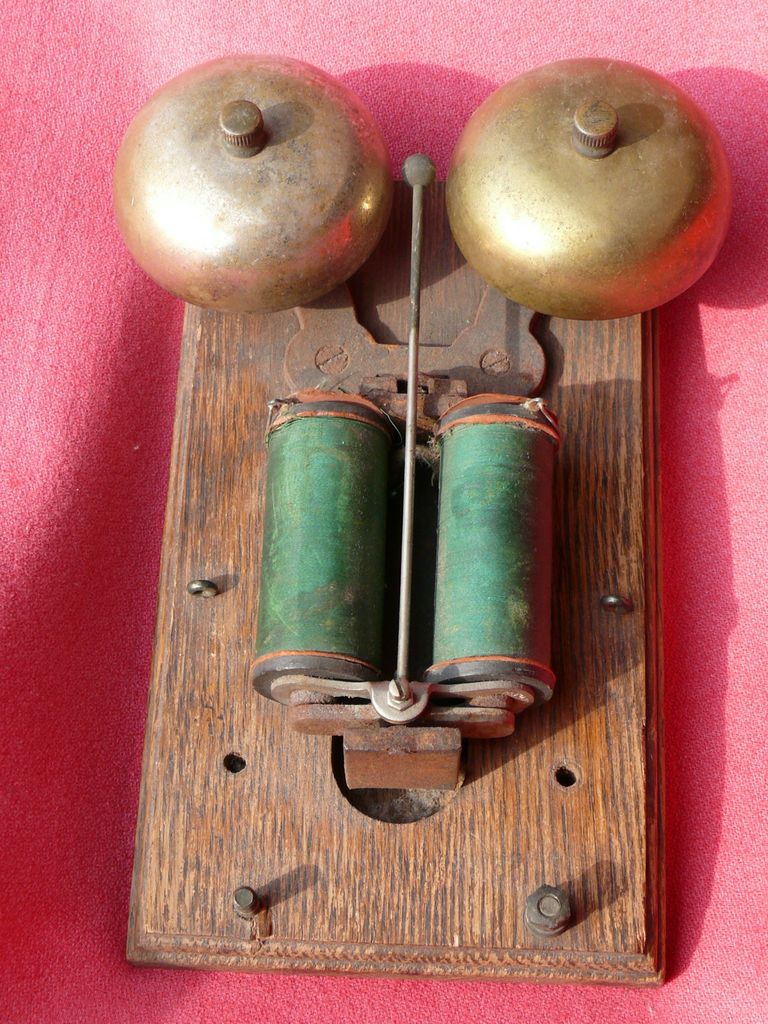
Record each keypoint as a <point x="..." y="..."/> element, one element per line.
<point x="202" y="588"/>
<point x="242" y="128"/>
<point x="617" y="603"/>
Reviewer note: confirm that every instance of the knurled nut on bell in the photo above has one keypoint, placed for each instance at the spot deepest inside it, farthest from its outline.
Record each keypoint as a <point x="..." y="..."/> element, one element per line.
<point x="595" y="128"/>
<point x="242" y="127"/>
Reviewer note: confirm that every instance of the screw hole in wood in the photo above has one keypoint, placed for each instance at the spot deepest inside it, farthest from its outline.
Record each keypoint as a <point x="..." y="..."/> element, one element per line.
<point x="234" y="763"/>
<point x="565" y="776"/>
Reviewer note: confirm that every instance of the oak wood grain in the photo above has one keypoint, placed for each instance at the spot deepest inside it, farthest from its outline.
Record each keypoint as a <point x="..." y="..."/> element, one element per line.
<point x="443" y="896"/>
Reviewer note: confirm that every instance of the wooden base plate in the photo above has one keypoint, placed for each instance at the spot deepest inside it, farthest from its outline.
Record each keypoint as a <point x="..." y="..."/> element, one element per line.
<point x="572" y="799"/>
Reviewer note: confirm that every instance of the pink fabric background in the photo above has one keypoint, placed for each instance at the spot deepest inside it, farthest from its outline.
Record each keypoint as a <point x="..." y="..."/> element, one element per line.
<point x="87" y="379"/>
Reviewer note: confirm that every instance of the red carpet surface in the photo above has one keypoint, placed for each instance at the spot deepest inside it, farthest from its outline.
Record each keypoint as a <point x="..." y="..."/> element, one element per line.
<point x="87" y="382"/>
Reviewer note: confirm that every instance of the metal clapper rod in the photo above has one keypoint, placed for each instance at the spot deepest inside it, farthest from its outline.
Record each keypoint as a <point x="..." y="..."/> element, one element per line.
<point x="419" y="173"/>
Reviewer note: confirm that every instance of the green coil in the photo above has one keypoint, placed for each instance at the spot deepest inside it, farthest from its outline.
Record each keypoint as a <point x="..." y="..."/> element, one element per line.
<point x="493" y="587"/>
<point x="321" y="593"/>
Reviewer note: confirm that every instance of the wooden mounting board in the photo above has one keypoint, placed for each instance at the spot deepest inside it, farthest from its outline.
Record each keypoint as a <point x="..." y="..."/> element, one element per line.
<point x="442" y="896"/>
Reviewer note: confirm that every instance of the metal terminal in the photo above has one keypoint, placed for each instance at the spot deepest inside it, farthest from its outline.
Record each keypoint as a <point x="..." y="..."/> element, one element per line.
<point x="242" y="127"/>
<point x="202" y="588"/>
<point x="595" y="129"/>
<point x="247" y="902"/>
<point x="617" y="603"/>
<point x="419" y="173"/>
<point x="548" y="910"/>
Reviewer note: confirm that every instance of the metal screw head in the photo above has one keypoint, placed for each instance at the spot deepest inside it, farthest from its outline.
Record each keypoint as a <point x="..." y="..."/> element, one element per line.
<point x="548" y="910"/>
<point x="202" y="588"/>
<point x="595" y="129"/>
<point x="495" y="363"/>
<point x="617" y="603"/>
<point x="246" y="901"/>
<point x="331" y="359"/>
<point x="242" y="127"/>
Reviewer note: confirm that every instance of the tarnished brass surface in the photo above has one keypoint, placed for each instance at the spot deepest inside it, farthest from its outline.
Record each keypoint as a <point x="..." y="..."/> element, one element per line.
<point x="589" y="238"/>
<point x="231" y="215"/>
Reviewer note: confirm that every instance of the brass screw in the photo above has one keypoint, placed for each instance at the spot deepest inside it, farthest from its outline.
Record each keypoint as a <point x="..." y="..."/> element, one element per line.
<point x="595" y="129"/>
<point x="202" y="588"/>
<point x="242" y="127"/>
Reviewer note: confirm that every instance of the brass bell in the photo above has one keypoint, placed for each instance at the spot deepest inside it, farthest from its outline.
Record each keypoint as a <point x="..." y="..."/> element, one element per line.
<point x="589" y="189"/>
<point x="252" y="184"/>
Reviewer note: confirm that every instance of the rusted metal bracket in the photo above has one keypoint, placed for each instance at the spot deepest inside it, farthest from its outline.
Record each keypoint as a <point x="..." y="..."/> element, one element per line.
<point x="332" y="349"/>
<point x="432" y="757"/>
<point x="330" y="706"/>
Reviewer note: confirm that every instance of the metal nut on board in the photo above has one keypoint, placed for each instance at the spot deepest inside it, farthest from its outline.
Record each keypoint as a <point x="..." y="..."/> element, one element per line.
<point x="548" y="910"/>
<point x="246" y="902"/>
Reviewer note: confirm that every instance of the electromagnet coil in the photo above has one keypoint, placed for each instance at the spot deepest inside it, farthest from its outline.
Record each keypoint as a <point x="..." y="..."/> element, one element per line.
<point x="323" y="559"/>
<point x="493" y="587"/>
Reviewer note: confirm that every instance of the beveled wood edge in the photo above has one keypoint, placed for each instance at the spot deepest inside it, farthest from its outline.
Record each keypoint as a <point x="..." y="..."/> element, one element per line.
<point x="654" y="673"/>
<point x="441" y="963"/>
<point x="156" y="694"/>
